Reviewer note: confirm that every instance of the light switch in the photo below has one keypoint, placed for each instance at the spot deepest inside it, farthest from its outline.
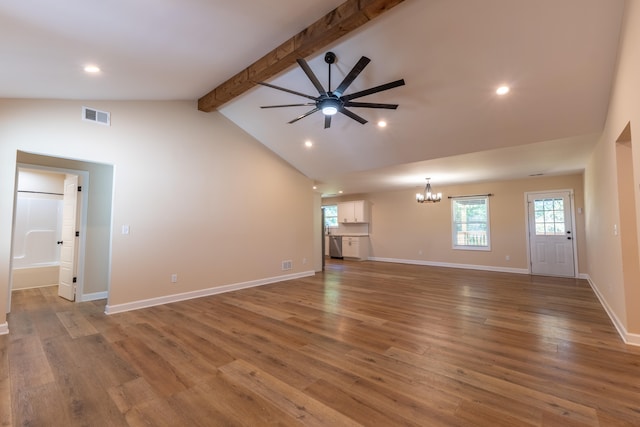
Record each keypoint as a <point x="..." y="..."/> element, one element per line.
<point x="615" y="229"/>
<point x="125" y="229"/>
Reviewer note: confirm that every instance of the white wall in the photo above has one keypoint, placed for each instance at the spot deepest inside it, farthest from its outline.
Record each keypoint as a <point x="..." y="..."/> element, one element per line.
<point x="201" y="197"/>
<point x="40" y="181"/>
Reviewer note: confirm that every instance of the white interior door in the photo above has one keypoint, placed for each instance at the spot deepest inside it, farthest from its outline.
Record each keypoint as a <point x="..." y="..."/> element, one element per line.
<point x="66" y="286"/>
<point x="551" y="234"/>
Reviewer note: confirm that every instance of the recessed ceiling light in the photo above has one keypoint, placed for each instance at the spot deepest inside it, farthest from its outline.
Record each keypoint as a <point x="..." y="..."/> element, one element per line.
<point x="503" y="90"/>
<point x="382" y="124"/>
<point x="308" y="144"/>
<point x="340" y="192"/>
<point x="92" y="69"/>
<point x="315" y="187"/>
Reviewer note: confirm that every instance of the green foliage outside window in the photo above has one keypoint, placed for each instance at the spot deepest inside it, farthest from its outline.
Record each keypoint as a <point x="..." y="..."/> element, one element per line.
<point x="470" y="223"/>
<point x="330" y="216"/>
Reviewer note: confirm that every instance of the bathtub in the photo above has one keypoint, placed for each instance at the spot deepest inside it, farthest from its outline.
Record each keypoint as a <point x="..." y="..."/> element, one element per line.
<point x="36" y="254"/>
<point x="35" y="276"/>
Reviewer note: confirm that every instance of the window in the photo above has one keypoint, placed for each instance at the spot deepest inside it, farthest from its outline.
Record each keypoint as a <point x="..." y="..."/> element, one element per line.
<point x="330" y="216"/>
<point x="549" y="214"/>
<point x="470" y="223"/>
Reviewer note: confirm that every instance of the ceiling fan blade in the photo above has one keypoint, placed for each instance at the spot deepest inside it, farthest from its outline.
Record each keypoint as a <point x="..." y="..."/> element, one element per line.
<point x="373" y="90"/>
<point x="288" y="105"/>
<point x="286" y="90"/>
<point x="354" y="116"/>
<point x="370" y="105"/>
<point x="357" y="69"/>
<point x="307" y="70"/>
<point x="308" y="113"/>
<point x="327" y="122"/>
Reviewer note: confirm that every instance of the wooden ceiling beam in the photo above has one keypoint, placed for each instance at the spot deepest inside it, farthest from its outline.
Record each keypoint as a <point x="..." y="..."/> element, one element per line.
<point x="340" y="21"/>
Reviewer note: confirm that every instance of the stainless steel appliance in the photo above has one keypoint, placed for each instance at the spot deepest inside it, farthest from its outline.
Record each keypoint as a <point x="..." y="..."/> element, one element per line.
<point x="335" y="246"/>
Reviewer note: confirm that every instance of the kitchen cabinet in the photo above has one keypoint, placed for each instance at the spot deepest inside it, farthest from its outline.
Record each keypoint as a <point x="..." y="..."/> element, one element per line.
<point x="353" y="212"/>
<point x="355" y="247"/>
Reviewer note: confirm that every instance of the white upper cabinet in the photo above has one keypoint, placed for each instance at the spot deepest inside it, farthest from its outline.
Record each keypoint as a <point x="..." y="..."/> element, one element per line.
<point x="353" y="212"/>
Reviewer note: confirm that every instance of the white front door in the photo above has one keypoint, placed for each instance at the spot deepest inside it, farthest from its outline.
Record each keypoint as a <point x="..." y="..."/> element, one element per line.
<point x="551" y="233"/>
<point x="66" y="285"/>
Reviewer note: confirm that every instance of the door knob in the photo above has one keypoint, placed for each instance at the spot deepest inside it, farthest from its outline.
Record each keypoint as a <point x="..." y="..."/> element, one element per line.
<point x="569" y="238"/>
<point x="59" y="242"/>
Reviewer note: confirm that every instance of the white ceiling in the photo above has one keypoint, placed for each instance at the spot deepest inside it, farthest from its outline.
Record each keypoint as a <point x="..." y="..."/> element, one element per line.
<point x="557" y="56"/>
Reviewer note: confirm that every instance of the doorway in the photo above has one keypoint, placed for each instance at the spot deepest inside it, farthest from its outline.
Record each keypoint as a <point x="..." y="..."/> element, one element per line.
<point x="48" y="245"/>
<point x="551" y="233"/>
<point x="94" y="254"/>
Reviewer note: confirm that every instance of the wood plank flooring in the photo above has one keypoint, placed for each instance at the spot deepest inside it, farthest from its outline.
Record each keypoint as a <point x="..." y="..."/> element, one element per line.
<point x="363" y="343"/>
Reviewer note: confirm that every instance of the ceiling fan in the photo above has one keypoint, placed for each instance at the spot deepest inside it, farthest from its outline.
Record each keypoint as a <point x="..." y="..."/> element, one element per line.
<point x="330" y="101"/>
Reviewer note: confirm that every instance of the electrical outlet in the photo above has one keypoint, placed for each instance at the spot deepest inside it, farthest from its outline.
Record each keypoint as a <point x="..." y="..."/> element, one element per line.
<point x="174" y="278"/>
<point x="304" y="260"/>
<point x="508" y="258"/>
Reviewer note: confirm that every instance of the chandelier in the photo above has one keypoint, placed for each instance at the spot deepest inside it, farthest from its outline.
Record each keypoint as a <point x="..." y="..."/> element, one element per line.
<point x="428" y="196"/>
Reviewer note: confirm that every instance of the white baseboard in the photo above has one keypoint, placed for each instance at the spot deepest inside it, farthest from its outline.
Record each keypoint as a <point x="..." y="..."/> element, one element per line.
<point x="4" y="328"/>
<point x="135" y="305"/>
<point x="93" y="296"/>
<point x="452" y="265"/>
<point x="628" y="338"/>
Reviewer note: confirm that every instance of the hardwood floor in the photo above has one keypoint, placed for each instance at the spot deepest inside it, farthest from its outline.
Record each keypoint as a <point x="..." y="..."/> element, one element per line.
<point x="364" y="343"/>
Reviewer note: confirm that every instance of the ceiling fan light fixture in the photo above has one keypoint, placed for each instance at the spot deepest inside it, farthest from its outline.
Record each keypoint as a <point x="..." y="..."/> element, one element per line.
<point x="330" y="106"/>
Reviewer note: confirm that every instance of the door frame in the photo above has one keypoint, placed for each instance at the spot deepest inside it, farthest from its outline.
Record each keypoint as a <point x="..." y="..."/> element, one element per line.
<point x="83" y="180"/>
<point x="574" y="239"/>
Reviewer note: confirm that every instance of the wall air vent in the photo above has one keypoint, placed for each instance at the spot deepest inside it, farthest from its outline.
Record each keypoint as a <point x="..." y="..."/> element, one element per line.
<point x="96" y="116"/>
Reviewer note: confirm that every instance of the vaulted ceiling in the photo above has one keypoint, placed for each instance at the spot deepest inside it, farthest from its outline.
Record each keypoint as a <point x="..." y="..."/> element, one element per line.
<point x="558" y="57"/>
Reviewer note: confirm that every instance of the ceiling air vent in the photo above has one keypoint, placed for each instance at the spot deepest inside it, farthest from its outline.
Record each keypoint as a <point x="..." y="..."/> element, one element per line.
<point x="96" y="116"/>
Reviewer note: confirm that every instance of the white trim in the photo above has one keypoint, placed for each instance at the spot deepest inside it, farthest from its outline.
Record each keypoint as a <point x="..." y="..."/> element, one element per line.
<point x="4" y="328"/>
<point x="452" y="265"/>
<point x="135" y="305"/>
<point x="455" y="246"/>
<point x="628" y="338"/>
<point x="93" y="296"/>
<point x="111" y="230"/>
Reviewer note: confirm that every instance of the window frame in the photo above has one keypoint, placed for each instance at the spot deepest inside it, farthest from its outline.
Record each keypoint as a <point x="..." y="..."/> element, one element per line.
<point x="330" y="227"/>
<point x="454" y="233"/>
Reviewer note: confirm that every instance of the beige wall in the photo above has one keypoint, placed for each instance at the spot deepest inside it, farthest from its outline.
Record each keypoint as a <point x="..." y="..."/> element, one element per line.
<point x="405" y="230"/>
<point x="607" y="204"/>
<point x="201" y="197"/>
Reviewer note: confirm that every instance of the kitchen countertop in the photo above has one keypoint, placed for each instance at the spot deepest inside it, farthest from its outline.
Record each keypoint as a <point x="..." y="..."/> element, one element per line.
<point x="348" y="235"/>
